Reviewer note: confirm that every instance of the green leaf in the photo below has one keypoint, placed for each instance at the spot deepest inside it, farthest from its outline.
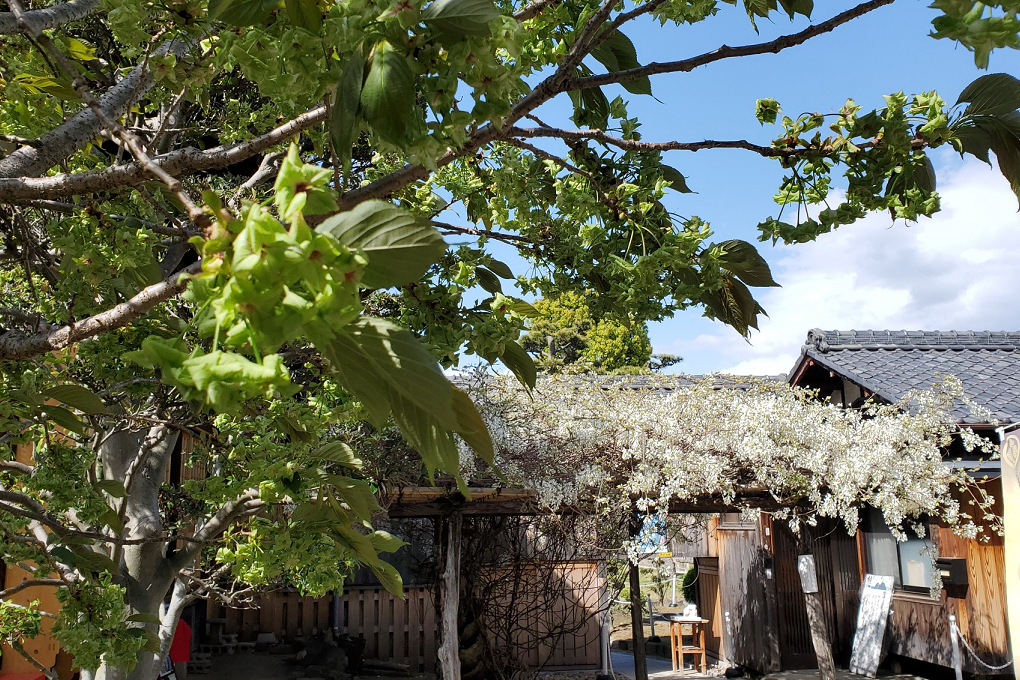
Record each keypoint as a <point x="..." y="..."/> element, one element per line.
<point x="111" y="518"/>
<point x="500" y="269"/>
<point x="357" y="494"/>
<point x="305" y="14"/>
<point x="78" y="397"/>
<point x="389" y="577"/>
<point x="64" y="418"/>
<point x="471" y="427"/>
<point x="487" y="280"/>
<point x="242" y="13"/>
<point x="64" y="556"/>
<point x="992" y="95"/>
<point x="524" y="308"/>
<point x="405" y="363"/>
<point x="975" y="141"/>
<point x="591" y="108"/>
<point x="337" y="452"/>
<point x="617" y="53"/>
<point x="795" y="7"/>
<point x="461" y="18"/>
<point x="744" y="260"/>
<point x="93" y="561"/>
<point x="733" y="304"/>
<point x="520" y="363"/>
<point x="1004" y="138"/>
<point x="112" y="487"/>
<point x="345" y="116"/>
<point x="400" y="246"/>
<point x="677" y="181"/>
<point x="923" y="176"/>
<point x="387" y="96"/>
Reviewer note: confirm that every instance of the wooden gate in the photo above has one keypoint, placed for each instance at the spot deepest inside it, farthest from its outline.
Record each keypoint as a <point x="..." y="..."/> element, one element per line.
<point x="835" y="554"/>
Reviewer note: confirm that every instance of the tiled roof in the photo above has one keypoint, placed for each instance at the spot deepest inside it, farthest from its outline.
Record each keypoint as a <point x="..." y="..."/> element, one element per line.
<point x="891" y="363"/>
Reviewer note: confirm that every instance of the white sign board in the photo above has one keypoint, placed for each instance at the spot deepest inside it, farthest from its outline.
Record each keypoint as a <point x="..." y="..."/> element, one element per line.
<point x="808" y="573"/>
<point x="876" y="596"/>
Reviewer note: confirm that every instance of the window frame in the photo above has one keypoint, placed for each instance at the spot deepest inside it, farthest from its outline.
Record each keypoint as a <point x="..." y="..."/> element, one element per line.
<point x="871" y="519"/>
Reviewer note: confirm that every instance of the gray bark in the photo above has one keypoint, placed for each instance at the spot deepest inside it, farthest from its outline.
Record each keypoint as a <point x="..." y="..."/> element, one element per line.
<point x="84" y="127"/>
<point x="49" y="17"/>
<point x="140" y="459"/>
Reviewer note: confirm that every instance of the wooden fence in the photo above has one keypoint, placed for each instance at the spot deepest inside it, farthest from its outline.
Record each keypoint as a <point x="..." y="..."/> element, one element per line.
<point x="407" y="630"/>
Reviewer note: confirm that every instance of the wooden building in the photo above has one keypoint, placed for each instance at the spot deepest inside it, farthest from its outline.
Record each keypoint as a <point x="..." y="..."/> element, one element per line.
<point x="750" y="568"/>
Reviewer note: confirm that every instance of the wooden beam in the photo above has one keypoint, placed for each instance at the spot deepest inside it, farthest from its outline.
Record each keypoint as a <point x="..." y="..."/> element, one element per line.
<point x="449" y="651"/>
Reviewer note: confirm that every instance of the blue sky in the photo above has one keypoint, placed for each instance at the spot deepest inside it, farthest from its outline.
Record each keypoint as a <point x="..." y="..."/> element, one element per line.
<point x="949" y="273"/>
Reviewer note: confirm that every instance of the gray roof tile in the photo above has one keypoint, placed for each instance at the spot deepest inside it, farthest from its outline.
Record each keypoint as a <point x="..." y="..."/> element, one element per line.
<point x="891" y="363"/>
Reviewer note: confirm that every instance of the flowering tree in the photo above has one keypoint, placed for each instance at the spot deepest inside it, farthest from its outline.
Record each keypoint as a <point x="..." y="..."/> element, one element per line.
<point x="158" y="285"/>
<point x="616" y="445"/>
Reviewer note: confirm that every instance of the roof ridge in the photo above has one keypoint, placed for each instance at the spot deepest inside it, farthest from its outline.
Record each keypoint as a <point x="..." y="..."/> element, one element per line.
<point x="823" y="340"/>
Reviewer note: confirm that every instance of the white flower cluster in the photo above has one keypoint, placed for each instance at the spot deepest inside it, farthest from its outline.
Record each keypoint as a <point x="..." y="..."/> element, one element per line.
<point x="615" y="444"/>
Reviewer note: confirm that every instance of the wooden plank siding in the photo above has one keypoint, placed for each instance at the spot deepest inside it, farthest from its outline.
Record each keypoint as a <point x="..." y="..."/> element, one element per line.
<point x="407" y="630"/>
<point x="748" y="596"/>
<point x="710" y="604"/>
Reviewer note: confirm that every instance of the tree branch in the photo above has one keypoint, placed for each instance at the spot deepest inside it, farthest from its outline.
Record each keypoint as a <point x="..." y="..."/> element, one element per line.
<point x="177" y="163"/>
<point x="533" y="9"/>
<point x="636" y="145"/>
<point x="512" y="239"/>
<point x="29" y="583"/>
<point x="49" y="17"/>
<point x="18" y="346"/>
<point x="81" y="129"/>
<point x="725" y="52"/>
<point x="217" y="524"/>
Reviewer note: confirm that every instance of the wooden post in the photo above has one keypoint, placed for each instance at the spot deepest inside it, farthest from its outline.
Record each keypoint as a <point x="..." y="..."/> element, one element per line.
<point x="449" y="651"/>
<point x="815" y="612"/>
<point x="820" y="636"/>
<point x="636" y="623"/>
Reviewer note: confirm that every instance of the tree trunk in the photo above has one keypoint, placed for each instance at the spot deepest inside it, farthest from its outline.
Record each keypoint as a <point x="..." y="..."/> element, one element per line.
<point x="636" y="624"/>
<point x="139" y="459"/>
<point x="449" y="651"/>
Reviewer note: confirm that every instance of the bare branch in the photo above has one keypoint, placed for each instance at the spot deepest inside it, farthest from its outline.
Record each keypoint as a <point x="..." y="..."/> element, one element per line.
<point x="512" y="239"/>
<point x="15" y="466"/>
<point x="18" y="346"/>
<point x="17" y="646"/>
<point x="178" y="163"/>
<point x="533" y="9"/>
<point x="30" y="583"/>
<point x="49" y="17"/>
<point x="725" y="52"/>
<point x="217" y="524"/>
<point x="636" y="145"/>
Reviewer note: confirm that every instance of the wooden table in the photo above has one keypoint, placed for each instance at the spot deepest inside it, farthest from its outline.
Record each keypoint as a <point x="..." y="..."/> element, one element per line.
<point x="680" y="648"/>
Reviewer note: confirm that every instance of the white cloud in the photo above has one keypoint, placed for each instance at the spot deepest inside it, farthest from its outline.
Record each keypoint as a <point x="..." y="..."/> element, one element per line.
<point x="956" y="271"/>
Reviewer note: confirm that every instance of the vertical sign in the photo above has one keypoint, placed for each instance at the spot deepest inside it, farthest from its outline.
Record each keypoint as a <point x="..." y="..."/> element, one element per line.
<point x="808" y="573"/>
<point x="876" y="596"/>
<point x="1011" y="527"/>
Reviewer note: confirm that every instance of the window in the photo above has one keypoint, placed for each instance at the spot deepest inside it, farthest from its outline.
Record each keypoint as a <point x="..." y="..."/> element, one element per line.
<point x="908" y="562"/>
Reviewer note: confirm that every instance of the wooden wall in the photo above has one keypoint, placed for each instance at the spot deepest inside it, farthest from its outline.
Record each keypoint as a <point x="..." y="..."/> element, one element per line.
<point x="747" y="595"/>
<point x="405" y="631"/>
<point x="710" y="604"/>
<point x="920" y="625"/>
<point x="571" y="620"/>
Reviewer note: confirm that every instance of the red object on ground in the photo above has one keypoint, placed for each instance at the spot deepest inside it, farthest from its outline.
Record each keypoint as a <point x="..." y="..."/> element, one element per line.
<point x="34" y="675"/>
<point x="180" y="647"/>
